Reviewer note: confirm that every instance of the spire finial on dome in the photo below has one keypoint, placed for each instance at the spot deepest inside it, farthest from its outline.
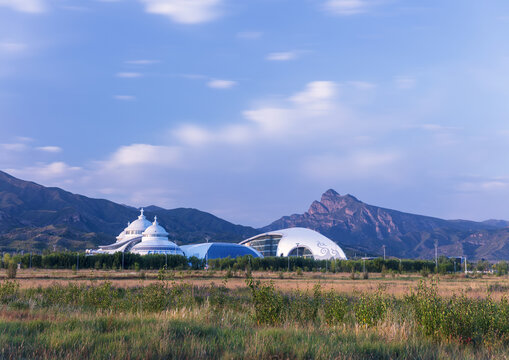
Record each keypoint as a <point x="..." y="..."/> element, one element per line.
<point x="141" y="214"/>
<point x="155" y="220"/>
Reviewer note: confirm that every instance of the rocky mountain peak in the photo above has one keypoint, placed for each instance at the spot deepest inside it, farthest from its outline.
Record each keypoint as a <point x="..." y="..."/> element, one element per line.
<point x="333" y="201"/>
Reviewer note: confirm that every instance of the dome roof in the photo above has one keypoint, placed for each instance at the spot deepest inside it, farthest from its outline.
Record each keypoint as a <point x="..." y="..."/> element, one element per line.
<point x="286" y="241"/>
<point x="155" y="230"/>
<point x="139" y="224"/>
<point x="218" y="250"/>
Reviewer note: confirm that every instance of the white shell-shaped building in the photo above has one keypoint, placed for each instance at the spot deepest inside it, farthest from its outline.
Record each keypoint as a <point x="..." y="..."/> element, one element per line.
<point x="155" y="241"/>
<point x="296" y="242"/>
<point x="141" y="237"/>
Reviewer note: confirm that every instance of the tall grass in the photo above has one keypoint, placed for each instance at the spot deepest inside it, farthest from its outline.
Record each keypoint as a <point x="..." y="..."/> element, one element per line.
<point x="177" y="320"/>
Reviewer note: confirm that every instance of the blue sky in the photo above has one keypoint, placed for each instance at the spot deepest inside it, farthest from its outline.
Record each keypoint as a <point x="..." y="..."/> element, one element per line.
<point x="251" y="109"/>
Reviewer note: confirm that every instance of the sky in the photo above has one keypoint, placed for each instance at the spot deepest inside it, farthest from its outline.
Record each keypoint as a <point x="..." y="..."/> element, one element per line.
<point x="252" y="109"/>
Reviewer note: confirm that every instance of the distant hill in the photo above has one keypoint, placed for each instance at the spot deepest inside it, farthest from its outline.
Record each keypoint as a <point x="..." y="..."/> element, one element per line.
<point x="366" y="228"/>
<point x="34" y="217"/>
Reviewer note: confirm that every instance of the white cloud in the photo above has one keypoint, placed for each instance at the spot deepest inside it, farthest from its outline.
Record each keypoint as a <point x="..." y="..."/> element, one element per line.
<point x="405" y="82"/>
<point x="142" y="62"/>
<point x="356" y="165"/>
<point x="484" y="185"/>
<point x="250" y="35"/>
<point x="10" y="47"/>
<point x="143" y="154"/>
<point x="221" y="84"/>
<point x="14" y="147"/>
<point x="24" y="139"/>
<point x="128" y="75"/>
<point x="28" y="6"/>
<point x="50" y="149"/>
<point x="347" y="7"/>
<point x="184" y="11"/>
<point x="45" y="171"/>
<point x="303" y="115"/>
<point x="282" y="56"/>
<point x="124" y="97"/>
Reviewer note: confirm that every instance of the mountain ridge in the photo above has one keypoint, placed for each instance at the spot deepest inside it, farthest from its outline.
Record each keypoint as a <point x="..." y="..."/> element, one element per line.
<point x="33" y="216"/>
<point x="357" y="225"/>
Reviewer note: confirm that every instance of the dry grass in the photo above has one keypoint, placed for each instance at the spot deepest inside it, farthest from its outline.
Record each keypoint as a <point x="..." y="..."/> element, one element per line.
<point x="341" y="282"/>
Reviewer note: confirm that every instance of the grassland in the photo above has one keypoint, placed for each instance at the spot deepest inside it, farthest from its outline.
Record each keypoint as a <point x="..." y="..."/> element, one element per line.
<point x="47" y="314"/>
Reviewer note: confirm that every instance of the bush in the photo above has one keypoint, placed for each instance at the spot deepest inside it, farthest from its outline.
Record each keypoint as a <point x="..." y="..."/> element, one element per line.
<point x="427" y="308"/>
<point x="268" y="303"/>
<point x="8" y="291"/>
<point x="335" y="308"/>
<point x="370" y="309"/>
<point x="12" y="270"/>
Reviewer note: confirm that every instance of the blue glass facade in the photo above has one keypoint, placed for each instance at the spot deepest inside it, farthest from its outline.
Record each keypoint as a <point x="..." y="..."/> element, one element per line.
<point x="218" y="250"/>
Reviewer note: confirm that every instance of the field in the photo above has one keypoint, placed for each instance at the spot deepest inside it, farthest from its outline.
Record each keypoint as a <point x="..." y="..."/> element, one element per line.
<point x="195" y="314"/>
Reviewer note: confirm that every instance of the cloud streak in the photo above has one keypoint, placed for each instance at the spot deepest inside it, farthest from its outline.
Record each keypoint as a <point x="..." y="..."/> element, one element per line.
<point x="26" y="6"/>
<point x="188" y="12"/>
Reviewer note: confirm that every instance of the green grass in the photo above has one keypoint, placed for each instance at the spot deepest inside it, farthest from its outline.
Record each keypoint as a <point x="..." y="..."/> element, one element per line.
<point x="177" y="321"/>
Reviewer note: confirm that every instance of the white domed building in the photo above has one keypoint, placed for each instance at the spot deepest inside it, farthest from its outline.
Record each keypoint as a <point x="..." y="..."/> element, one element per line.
<point x="155" y="241"/>
<point x="141" y="237"/>
<point x="296" y="242"/>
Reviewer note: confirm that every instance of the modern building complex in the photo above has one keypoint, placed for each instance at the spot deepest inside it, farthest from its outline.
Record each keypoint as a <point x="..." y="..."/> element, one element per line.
<point x="143" y="237"/>
<point x="218" y="250"/>
<point x="296" y="242"/>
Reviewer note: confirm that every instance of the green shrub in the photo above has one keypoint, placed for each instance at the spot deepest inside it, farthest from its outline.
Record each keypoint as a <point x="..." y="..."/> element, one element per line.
<point x="427" y="307"/>
<point x="370" y="309"/>
<point x="335" y="308"/>
<point x="268" y="303"/>
<point x="12" y="270"/>
<point x="8" y="291"/>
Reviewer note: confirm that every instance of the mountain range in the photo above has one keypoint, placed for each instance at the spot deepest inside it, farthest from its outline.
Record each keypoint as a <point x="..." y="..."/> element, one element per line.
<point x="366" y="229"/>
<point x="34" y="217"/>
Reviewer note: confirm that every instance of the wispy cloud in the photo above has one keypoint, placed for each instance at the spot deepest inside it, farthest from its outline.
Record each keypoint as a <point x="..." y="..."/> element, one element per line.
<point x="49" y="149"/>
<point x="11" y="47"/>
<point x="14" y="146"/>
<point x="221" y="84"/>
<point x="129" y="75"/>
<point x="46" y="171"/>
<point x="405" y="82"/>
<point x="27" y="6"/>
<point x="142" y="62"/>
<point x="306" y="112"/>
<point x="282" y="56"/>
<point x="143" y="154"/>
<point x="185" y="11"/>
<point x="124" y="97"/>
<point x="347" y="7"/>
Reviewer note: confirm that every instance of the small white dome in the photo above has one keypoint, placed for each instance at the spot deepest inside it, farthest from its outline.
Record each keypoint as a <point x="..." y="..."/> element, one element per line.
<point x="139" y="224"/>
<point x="155" y="230"/>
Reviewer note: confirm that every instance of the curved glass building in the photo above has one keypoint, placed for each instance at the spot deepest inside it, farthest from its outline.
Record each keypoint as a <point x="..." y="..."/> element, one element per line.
<point x="296" y="242"/>
<point x="218" y="250"/>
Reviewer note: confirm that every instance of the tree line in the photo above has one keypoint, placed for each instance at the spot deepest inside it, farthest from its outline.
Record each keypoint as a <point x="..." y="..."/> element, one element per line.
<point x="118" y="261"/>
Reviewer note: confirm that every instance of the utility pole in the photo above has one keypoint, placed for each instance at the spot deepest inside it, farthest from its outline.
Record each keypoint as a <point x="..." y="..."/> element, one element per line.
<point x="123" y="255"/>
<point x="364" y="265"/>
<point x="383" y="246"/>
<point x="465" y="264"/>
<point x="77" y="261"/>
